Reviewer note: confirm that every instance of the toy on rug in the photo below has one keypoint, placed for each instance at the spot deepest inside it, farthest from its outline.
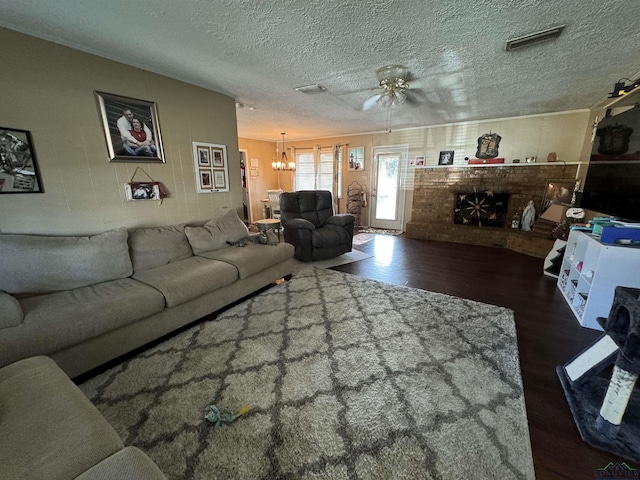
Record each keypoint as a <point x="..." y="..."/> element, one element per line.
<point x="219" y="415"/>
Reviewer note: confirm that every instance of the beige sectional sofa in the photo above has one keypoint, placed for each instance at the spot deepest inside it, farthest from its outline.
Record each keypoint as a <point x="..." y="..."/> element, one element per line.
<point x="50" y="430"/>
<point x="85" y="300"/>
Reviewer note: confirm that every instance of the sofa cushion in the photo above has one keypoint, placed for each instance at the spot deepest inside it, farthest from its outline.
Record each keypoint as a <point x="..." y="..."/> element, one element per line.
<point x="252" y="258"/>
<point x="43" y="264"/>
<point x="215" y="234"/>
<point x="59" y="320"/>
<point x="10" y="311"/>
<point x="153" y="247"/>
<point x="49" y="427"/>
<point x="130" y="463"/>
<point x="187" y="279"/>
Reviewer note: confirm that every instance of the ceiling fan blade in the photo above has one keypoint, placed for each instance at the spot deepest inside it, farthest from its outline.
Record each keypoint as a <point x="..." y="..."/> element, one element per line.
<point x="415" y="97"/>
<point x="371" y="102"/>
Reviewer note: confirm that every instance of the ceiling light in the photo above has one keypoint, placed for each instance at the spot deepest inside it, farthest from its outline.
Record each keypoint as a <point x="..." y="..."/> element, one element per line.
<point x="315" y="88"/>
<point x="535" y="38"/>
<point x="284" y="164"/>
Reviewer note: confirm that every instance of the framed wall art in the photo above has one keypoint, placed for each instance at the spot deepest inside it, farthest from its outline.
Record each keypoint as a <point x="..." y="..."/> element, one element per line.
<point x="446" y="157"/>
<point x="558" y="191"/>
<point x="356" y="159"/>
<point x="418" y="162"/>
<point x="211" y="167"/>
<point x="18" y="166"/>
<point x="143" y="191"/>
<point x="131" y="128"/>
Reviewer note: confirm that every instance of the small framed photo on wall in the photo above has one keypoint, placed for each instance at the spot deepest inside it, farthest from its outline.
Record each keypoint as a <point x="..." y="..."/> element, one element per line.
<point x="446" y="157"/>
<point x="205" y="180"/>
<point x="143" y="191"/>
<point x="356" y="159"/>
<point x="203" y="157"/>
<point x="211" y="167"/>
<point x="18" y="166"/>
<point x="220" y="179"/>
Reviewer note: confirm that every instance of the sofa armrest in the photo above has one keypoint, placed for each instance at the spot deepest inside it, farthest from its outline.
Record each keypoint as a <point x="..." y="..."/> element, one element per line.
<point x="342" y="219"/>
<point x="298" y="223"/>
<point x="12" y="314"/>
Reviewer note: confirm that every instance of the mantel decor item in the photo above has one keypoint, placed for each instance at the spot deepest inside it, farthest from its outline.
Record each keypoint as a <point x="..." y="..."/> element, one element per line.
<point x="356" y="159"/>
<point x="131" y="129"/>
<point x="614" y="139"/>
<point x="18" y="167"/>
<point x="446" y="157"/>
<point x="211" y="167"/>
<point x="488" y="145"/>
<point x="418" y="162"/>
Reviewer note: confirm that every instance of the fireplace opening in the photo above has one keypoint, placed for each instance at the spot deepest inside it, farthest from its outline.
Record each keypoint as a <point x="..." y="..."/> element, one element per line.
<point x="484" y="209"/>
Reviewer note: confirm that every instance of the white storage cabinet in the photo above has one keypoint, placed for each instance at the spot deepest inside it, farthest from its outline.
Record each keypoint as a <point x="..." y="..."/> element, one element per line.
<point x="590" y="272"/>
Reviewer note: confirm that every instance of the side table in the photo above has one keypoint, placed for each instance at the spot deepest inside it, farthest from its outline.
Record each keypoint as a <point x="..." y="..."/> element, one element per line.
<point x="269" y="224"/>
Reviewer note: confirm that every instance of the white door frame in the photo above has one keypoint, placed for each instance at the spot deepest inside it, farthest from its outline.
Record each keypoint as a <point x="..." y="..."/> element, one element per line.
<point x="403" y="151"/>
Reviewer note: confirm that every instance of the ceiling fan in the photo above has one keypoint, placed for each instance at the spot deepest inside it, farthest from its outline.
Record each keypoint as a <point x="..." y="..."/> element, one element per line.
<point x="392" y="79"/>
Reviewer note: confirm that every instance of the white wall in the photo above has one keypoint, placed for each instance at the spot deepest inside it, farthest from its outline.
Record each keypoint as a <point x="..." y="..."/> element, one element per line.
<point x="49" y="89"/>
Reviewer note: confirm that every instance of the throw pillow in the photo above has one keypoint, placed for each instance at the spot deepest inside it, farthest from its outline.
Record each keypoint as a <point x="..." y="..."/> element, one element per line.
<point x="215" y="234"/>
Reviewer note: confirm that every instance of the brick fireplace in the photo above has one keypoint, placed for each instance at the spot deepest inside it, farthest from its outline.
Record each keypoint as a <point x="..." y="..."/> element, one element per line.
<point x="434" y="200"/>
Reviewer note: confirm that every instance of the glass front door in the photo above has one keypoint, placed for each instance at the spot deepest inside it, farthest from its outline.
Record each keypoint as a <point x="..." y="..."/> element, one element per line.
<point x="387" y="196"/>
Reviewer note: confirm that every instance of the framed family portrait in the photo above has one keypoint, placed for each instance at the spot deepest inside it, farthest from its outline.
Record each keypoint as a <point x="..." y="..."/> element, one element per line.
<point x="18" y="166"/>
<point x="131" y="129"/>
<point x="356" y="159"/>
<point x="211" y="167"/>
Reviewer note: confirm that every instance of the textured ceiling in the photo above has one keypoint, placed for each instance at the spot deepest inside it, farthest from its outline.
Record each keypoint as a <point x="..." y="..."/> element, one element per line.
<point x="259" y="51"/>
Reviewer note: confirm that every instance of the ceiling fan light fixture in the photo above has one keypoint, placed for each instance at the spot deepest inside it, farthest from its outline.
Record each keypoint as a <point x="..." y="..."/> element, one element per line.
<point x="392" y="73"/>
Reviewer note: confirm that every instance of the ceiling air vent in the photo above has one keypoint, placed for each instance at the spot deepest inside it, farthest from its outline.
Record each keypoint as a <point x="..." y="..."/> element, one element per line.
<point x="533" y="38"/>
<point x="315" y="88"/>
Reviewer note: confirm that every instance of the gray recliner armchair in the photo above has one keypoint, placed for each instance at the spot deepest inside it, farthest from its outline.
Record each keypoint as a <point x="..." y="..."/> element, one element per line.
<point x="312" y="228"/>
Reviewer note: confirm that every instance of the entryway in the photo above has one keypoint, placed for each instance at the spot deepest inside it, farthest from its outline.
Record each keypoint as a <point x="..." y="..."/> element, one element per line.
<point x="387" y="191"/>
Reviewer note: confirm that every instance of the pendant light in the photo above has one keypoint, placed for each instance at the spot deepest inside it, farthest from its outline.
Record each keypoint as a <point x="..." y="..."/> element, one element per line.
<point x="284" y="164"/>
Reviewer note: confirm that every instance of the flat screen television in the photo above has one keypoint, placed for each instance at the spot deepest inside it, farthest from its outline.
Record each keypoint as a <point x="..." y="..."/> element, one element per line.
<point x="612" y="184"/>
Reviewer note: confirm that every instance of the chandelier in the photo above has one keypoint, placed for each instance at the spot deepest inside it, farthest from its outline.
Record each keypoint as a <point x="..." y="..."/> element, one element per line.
<point x="283" y="164"/>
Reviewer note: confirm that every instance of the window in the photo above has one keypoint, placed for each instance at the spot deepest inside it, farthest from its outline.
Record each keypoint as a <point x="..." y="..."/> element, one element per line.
<point x="305" y="177"/>
<point x="316" y="170"/>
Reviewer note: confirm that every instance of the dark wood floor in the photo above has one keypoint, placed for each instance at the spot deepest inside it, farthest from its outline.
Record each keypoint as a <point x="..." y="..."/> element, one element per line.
<point x="548" y="333"/>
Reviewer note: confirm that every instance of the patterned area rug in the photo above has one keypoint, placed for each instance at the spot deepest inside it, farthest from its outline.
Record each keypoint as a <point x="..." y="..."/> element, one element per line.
<point x="347" y="378"/>
<point x="380" y="231"/>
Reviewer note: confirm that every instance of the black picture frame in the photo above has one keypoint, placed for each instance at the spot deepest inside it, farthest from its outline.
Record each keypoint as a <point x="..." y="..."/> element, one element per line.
<point x="19" y="172"/>
<point x="446" y="157"/>
<point x="113" y="108"/>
